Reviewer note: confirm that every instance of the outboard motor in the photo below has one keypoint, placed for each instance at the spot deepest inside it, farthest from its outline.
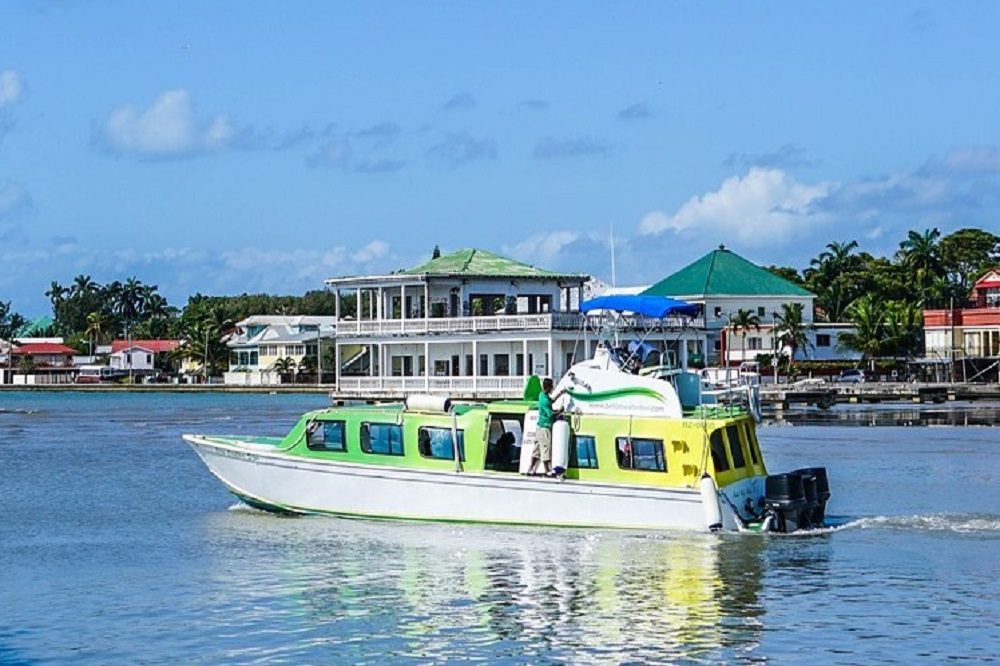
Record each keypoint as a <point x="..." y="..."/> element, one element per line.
<point x="822" y="493"/>
<point x="785" y="500"/>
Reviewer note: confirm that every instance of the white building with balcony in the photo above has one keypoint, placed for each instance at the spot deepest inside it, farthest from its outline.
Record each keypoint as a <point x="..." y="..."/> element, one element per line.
<point x="724" y="283"/>
<point x="470" y="324"/>
<point x="269" y="349"/>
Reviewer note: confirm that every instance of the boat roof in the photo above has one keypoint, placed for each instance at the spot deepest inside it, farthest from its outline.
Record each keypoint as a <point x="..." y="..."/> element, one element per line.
<point x="648" y="306"/>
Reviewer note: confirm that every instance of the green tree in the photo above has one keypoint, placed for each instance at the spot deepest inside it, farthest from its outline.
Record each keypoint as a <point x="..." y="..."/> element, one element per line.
<point x="833" y="277"/>
<point x="920" y="255"/>
<point x="965" y="255"/>
<point x="792" y="329"/>
<point x="742" y="322"/>
<point x="10" y="322"/>
<point x="284" y="367"/>
<point x="97" y="327"/>
<point x="788" y="273"/>
<point x="866" y="314"/>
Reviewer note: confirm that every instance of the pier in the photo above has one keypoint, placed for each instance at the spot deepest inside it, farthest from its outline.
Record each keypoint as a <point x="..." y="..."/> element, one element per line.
<point x="825" y="396"/>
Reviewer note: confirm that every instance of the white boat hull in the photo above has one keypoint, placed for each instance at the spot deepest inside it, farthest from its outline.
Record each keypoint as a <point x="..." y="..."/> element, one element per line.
<point x="267" y="477"/>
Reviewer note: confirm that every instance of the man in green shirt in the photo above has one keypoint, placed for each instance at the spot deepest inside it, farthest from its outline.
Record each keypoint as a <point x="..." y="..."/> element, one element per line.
<point x="543" y="437"/>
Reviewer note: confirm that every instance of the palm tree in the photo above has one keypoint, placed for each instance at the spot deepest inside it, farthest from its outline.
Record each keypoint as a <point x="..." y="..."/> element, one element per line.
<point x="56" y="294"/>
<point x="830" y="276"/>
<point x="868" y="337"/>
<point x="903" y="327"/>
<point x="82" y="284"/>
<point x="284" y="366"/>
<point x="921" y="254"/>
<point x="791" y="329"/>
<point x="742" y="322"/>
<point x="97" y="325"/>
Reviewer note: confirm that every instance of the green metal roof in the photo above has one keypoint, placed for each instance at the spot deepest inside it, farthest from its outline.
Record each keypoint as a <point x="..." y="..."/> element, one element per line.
<point x="474" y="262"/>
<point x="35" y="327"/>
<point x="724" y="273"/>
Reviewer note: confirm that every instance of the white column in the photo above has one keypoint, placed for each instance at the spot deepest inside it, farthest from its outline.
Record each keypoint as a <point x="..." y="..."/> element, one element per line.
<point x="427" y="300"/>
<point x="357" y="303"/>
<point x="427" y="365"/>
<point x="549" y="368"/>
<point x="336" y="306"/>
<point x="525" y="370"/>
<point x="402" y="301"/>
<point x="336" y="365"/>
<point x="380" y="306"/>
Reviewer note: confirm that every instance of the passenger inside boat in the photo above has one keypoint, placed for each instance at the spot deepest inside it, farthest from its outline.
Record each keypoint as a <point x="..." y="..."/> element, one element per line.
<point x="503" y="450"/>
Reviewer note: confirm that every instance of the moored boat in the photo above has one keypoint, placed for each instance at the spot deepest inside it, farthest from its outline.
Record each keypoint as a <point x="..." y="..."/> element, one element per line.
<point x="651" y="450"/>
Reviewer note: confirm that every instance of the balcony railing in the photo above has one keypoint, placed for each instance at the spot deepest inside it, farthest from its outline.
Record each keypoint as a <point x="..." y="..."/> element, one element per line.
<point x="459" y="387"/>
<point x="564" y="321"/>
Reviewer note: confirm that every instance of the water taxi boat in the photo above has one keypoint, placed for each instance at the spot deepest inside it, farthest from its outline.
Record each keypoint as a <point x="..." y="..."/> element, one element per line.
<point x="648" y="449"/>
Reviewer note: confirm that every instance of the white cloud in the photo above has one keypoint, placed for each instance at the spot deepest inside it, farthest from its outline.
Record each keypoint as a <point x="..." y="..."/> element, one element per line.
<point x="764" y="206"/>
<point x="374" y="250"/>
<point x="542" y="249"/>
<point x="11" y="88"/>
<point x="168" y="128"/>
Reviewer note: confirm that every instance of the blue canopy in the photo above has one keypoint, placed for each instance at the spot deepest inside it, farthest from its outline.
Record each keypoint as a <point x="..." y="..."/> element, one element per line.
<point x="648" y="306"/>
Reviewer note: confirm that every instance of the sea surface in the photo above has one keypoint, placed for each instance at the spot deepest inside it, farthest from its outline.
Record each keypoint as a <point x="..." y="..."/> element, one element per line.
<point x="118" y="547"/>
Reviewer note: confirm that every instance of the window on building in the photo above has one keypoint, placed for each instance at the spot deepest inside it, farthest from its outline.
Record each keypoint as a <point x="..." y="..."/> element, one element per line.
<point x="149" y="359"/>
<point x="254" y="359"/>
<point x="519" y="365"/>
<point x="718" y="311"/>
<point x="822" y="339"/>
<point x="326" y="436"/>
<point x="718" y="449"/>
<point x="640" y="453"/>
<point x="501" y="365"/>
<point x="484" y="365"/>
<point x="583" y="452"/>
<point x="735" y="447"/>
<point x="382" y="438"/>
<point x="761" y="311"/>
<point x="754" y="343"/>
<point x="436" y="443"/>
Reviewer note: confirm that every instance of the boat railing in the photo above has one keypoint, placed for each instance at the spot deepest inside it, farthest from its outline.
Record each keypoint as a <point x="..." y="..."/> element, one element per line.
<point x="488" y="386"/>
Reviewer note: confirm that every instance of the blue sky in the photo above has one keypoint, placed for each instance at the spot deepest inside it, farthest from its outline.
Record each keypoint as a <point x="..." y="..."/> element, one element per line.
<point x="226" y="147"/>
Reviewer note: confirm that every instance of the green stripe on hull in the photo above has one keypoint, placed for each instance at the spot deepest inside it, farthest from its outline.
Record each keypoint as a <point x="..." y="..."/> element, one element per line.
<point x="614" y="394"/>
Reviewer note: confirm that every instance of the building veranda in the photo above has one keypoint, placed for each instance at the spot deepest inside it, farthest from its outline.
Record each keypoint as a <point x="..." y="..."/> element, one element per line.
<point x="469" y="323"/>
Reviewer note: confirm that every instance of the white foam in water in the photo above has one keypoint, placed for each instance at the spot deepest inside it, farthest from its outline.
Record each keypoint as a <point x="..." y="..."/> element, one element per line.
<point x="934" y="522"/>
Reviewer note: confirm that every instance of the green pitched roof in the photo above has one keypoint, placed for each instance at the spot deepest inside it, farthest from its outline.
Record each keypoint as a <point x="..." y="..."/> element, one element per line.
<point x="724" y="273"/>
<point x="34" y="328"/>
<point x="473" y="262"/>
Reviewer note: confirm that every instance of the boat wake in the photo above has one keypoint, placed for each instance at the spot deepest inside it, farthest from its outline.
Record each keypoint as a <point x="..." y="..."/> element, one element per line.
<point x="962" y="523"/>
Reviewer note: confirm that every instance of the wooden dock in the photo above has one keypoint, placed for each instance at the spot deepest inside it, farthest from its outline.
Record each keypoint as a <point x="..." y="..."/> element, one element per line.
<point x="825" y="396"/>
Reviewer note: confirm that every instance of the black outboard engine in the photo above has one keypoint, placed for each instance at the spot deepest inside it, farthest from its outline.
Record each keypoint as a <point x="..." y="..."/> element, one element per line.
<point x="785" y="500"/>
<point x="822" y="493"/>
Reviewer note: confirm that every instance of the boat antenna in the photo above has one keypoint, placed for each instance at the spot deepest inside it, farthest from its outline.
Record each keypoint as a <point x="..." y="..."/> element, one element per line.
<point x="614" y="282"/>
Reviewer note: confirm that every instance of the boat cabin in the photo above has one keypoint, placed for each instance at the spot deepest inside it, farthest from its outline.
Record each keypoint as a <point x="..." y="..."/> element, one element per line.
<point x="602" y="448"/>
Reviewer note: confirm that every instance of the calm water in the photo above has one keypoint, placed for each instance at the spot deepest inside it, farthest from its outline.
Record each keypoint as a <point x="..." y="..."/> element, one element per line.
<point x="117" y="546"/>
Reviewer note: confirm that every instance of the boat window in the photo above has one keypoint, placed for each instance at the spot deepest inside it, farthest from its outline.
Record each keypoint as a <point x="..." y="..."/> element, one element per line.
<point x="733" y="435"/>
<point x="718" y="448"/>
<point x="752" y="443"/>
<point x="638" y="453"/>
<point x="583" y="452"/>
<point x="436" y="443"/>
<point x="326" y="436"/>
<point x="382" y="438"/>
<point x="503" y="447"/>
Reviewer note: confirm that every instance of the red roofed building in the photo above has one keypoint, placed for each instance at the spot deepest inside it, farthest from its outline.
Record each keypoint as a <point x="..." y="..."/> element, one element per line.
<point x="971" y="332"/>
<point x="139" y="355"/>
<point x="45" y="354"/>
<point x="155" y="346"/>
